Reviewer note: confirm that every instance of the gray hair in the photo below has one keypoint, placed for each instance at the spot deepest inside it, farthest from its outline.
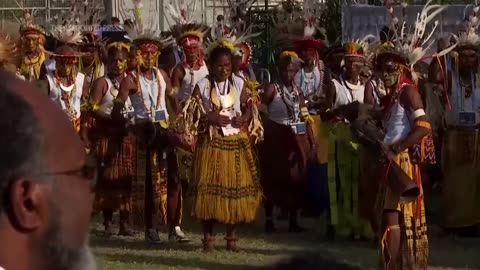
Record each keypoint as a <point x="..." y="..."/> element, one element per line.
<point x="20" y="137"/>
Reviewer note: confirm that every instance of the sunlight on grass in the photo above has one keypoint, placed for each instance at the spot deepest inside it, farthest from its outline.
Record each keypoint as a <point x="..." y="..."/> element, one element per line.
<point x="131" y="253"/>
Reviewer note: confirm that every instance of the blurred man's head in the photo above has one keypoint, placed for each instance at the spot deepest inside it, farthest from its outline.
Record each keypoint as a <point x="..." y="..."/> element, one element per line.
<point x="45" y="183"/>
<point x="115" y="21"/>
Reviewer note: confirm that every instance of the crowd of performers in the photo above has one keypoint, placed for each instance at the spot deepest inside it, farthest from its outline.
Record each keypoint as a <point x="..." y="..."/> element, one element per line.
<point x="179" y="114"/>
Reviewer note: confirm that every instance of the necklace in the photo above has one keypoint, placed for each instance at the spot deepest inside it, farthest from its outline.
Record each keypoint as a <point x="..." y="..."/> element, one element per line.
<point x="116" y="84"/>
<point x="156" y="76"/>
<point x="291" y="100"/>
<point x="351" y="87"/>
<point x="67" y="95"/>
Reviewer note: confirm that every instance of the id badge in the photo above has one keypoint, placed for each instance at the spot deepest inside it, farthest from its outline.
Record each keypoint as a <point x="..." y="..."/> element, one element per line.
<point x="160" y="115"/>
<point x="299" y="128"/>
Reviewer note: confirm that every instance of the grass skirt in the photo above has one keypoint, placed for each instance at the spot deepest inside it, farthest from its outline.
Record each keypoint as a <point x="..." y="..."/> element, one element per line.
<point x="149" y="187"/>
<point x="343" y="183"/>
<point x="116" y="154"/>
<point x="283" y="161"/>
<point x="225" y="181"/>
<point x="414" y="240"/>
<point x="461" y="191"/>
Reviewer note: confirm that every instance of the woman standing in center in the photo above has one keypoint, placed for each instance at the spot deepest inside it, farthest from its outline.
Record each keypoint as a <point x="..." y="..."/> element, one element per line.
<point x="226" y="184"/>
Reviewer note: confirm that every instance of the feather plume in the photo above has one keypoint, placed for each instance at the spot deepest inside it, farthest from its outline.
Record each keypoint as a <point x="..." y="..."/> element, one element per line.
<point x="9" y="36"/>
<point x="141" y="31"/>
<point x="413" y="44"/>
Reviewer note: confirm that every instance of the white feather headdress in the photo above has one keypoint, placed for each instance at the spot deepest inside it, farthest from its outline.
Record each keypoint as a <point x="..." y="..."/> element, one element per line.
<point x="8" y="43"/>
<point x="142" y="33"/>
<point x="81" y="18"/>
<point x="411" y="45"/>
<point x="180" y="16"/>
<point x="469" y="37"/>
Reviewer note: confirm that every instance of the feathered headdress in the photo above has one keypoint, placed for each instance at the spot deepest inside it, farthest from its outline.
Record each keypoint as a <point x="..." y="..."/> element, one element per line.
<point x="291" y="56"/>
<point x="470" y="38"/>
<point x="183" y="28"/>
<point x="8" y="48"/>
<point x="238" y="37"/>
<point x="68" y="28"/>
<point x="142" y="34"/>
<point x="312" y="12"/>
<point x="296" y="27"/>
<point x="242" y="46"/>
<point x="28" y="26"/>
<point x="410" y="47"/>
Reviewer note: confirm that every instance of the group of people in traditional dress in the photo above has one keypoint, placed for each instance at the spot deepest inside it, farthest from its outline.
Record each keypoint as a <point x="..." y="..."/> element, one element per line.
<point x="174" y="113"/>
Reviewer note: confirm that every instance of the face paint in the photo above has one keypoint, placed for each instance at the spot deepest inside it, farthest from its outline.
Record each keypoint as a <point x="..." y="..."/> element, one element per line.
<point x="31" y="43"/>
<point x="118" y="62"/>
<point x="354" y="65"/>
<point x="391" y="73"/>
<point x="192" y="52"/>
<point x="309" y="56"/>
<point x="67" y="64"/>
<point x="149" y="55"/>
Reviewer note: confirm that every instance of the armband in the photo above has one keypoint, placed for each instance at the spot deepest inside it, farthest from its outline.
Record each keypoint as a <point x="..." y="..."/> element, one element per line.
<point x="418" y="113"/>
<point x="424" y="124"/>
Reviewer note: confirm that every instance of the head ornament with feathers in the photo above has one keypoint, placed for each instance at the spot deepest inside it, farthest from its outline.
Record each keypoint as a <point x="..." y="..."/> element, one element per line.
<point x="469" y="38"/>
<point x="28" y="25"/>
<point x="297" y="26"/>
<point x="237" y="39"/>
<point x="408" y="48"/>
<point x="184" y="28"/>
<point x="8" y="50"/>
<point x="68" y="28"/>
<point x="143" y="34"/>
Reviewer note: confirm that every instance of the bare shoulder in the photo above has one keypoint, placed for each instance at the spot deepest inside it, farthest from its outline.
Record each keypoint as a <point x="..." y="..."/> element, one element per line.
<point x="179" y="70"/>
<point x="163" y="72"/>
<point x="410" y="97"/>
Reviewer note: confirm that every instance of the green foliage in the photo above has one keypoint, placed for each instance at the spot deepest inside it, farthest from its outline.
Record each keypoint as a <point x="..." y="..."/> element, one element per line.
<point x="331" y="19"/>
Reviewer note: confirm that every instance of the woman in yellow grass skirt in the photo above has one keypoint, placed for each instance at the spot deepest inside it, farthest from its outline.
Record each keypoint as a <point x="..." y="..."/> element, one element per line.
<point x="225" y="180"/>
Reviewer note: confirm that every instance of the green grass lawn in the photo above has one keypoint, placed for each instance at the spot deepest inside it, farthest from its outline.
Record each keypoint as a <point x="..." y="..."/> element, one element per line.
<point x="260" y="249"/>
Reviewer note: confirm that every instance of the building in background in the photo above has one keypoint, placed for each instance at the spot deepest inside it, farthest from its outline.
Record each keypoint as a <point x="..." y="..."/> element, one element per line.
<point x="45" y="10"/>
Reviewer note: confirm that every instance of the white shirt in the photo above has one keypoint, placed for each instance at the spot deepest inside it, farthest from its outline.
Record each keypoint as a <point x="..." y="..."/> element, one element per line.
<point x="347" y="93"/>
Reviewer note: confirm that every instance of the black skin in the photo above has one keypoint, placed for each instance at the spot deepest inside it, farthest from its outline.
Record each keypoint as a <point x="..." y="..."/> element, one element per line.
<point x="221" y="70"/>
<point x="287" y="76"/>
<point x="129" y="87"/>
<point x="467" y="63"/>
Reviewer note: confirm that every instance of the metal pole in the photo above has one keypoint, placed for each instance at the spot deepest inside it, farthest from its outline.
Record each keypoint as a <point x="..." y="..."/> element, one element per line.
<point x="108" y="4"/>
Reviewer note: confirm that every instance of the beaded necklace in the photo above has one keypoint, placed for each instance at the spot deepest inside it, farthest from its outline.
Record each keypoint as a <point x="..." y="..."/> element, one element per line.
<point x="67" y="94"/>
<point x="156" y="74"/>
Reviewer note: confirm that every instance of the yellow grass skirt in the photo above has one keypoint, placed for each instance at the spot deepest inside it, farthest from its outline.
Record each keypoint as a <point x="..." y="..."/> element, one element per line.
<point x="461" y="192"/>
<point x="320" y="133"/>
<point x="225" y="182"/>
<point x="414" y="226"/>
<point x="343" y="184"/>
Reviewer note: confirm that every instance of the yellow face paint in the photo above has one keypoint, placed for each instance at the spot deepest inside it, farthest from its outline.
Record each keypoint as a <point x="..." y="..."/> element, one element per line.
<point x="390" y="79"/>
<point x="119" y="66"/>
<point x="31" y="43"/>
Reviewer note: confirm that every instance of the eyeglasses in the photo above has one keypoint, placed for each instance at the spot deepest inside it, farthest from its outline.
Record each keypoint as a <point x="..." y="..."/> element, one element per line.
<point x="88" y="171"/>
